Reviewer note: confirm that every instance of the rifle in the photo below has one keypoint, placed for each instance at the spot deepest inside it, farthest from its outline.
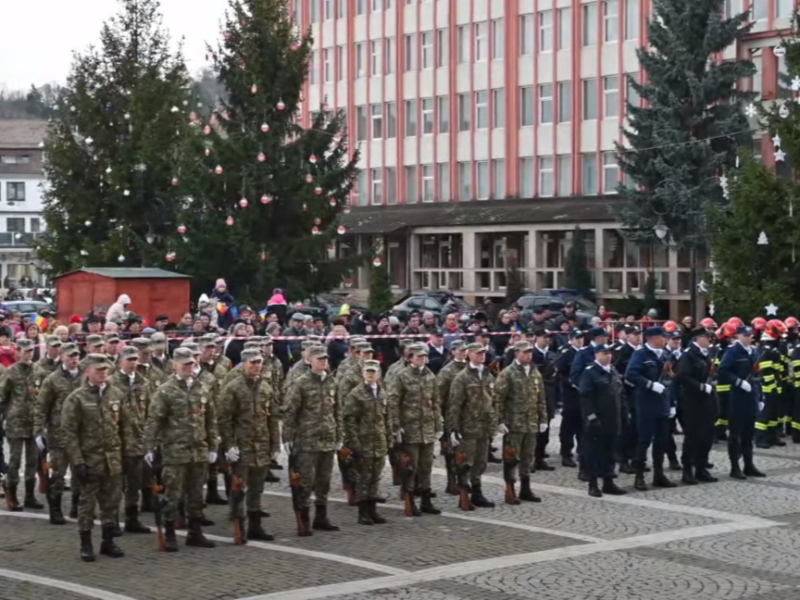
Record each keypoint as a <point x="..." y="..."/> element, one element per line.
<point x="297" y="491"/>
<point x="157" y="487"/>
<point x="347" y="462"/>
<point x="447" y="452"/>
<point x="43" y="469"/>
<point x="510" y="462"/>
<point x="237" y="488"/>
<point x="463" y="469"/>
<point x="405" y="472"/>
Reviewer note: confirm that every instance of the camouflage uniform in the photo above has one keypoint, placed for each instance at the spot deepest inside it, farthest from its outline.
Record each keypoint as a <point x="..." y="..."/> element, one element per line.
<point x="17" y="400"/>
<point x="444" y="379"/>
<point x="43" y="367"/>
<point x="297" y="370"/>
<point x="368" y="435"/>
<point x="94" y="343"/>
<point x="163" y="364"/>
<point x="352" y="377"/>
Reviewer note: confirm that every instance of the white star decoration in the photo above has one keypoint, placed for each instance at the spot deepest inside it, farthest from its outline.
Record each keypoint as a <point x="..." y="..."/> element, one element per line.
<point x="750" y="111"/>
<point x="772" y="310"/>
<point x="776" y="140"/>
<point x="780" y="155"/>
<point x="796" y="84"/>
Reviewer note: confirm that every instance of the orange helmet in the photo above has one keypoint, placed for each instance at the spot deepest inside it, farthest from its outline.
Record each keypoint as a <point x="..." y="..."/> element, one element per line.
<point x="775" y="329"/>
<point x="728" y="330"/>
<point x="759" y="323"/>
<point x="708" y="323"/>
<point x="735" y="321"/>
<point x="670" y="327"/>
<point x="792" y="323"/>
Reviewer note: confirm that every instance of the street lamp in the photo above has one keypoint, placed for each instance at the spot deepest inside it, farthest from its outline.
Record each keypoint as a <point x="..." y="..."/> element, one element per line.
<point x="660" y="229"/>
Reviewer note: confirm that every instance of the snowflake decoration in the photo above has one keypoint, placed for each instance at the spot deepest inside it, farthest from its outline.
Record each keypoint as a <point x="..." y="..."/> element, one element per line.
<point x="750" y="111"/>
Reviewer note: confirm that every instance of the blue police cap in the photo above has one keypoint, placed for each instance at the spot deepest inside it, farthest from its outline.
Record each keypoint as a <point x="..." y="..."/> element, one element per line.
<point x="653" y="331"/>
<point x="603" y="348"/>
<point x="671" y="335"/>
<point x="575" y="333"/>
<point x="595" y="332"/>
<point x="744" y="330"/>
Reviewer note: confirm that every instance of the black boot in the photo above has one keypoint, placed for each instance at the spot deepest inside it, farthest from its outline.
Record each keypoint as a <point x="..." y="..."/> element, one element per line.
<point x="271" y="477"/>
<point x="750" y="469"/>
<point x="525" y="492"/>
<point x="611" y="488"/>
<point x="688" y="476"/>
<point x="594" y="491"/>
<point x="411" y="509"/>
<point x="275" y="465"/>
<point x="674" y="464"/>
<point x="478" y="499"/>
<point x="254" y="529"/>
<point x="73" y="508"/>
<point x="30" y="495"/>
<point x="736" y="471"/>
<point x="170" y="539"/>
<point x="568" y="461"/>
<point x="303" y="523"/>
<point x="107" y="546"/>
<point x="372" y="511"/>
<point x="204" y="521"/>
<point x="87" y="551"/>
<point x="540" y="464"/>
<point x="212" y="494"/>
<point x="264" y="514"/>
<point x="147" y="500"/>
<point x="195" y="536"/>
<point x="379" y="500"/>
<point x="625" y="467"/>
<point x="452" y="487"/>
<point x="638" y="483"/>
<point x="56" y="516"/>
<point x="363" y="513"/>
<point x="703" y="476"/>
<point x="426" y="506"/>
<point x="659" y="479"/>
<point x="321" y="522"/>
<point x="132" y="523"/>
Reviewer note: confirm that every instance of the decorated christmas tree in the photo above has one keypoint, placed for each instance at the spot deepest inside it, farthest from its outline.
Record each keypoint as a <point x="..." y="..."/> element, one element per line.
<point x="268" y="202"/>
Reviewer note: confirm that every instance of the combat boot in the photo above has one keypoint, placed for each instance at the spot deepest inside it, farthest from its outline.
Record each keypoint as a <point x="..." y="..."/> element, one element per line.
<point x="205" y="521"/>
<point x="478" y="499"/>
<point x="303" y="524"/>
<point x="372" y="511"/>
<point x="611" y="488"/>
<point x="426" y="506"/>
<point x="750" y="469"/>
<point x="107" y="546"/>
<point x="275" y="465"/>
<point x="73" y="508"/>
<point x="195" y="536"/>
<point x="568" y="461"/>
<point x="271" y="477"/>
<point x="30" y="495"/>
<point x="659" y="479"/>
<point x="321" y="522"/>
<point x="132" y="523"/>
<point x="594" y="491"/>
<point x="625" y="467"/>
<point x="703" y="476"/>
<point x="638" y="482"/>
<point x="11" y="498"/>
<point x="87" y="551"/>
<point x="170" y="539"/>
<point x="452" y="487"/>
<point x="363" y="513"/>
<point x="674" y="463"/>
<point x="254" y="529"/>
<point x="116" y="530"/>
<point x="56" y="516"/>
<point x="525" y="493"/>
<point x="212" y="494"/>
<point x="688" y="476"/>
<point x="540" y="464"/>
<point x="736" y="471"/>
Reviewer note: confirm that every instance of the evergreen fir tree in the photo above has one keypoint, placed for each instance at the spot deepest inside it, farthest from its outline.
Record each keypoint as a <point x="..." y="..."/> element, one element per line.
<point x="691" y="121"/>
<point x="576" y="270"/>
<point x="515" y="281"/>
<point x="381" y="298"/>
<point x="114" y="148"/>
<point x="272" y="191"/>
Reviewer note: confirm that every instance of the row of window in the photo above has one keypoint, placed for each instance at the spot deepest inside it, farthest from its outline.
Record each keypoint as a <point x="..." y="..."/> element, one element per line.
<point x="15" y="159"/>
<point x="17" y="225"/>
<point x="15" y="191"/>
<point x="429" y="183"/>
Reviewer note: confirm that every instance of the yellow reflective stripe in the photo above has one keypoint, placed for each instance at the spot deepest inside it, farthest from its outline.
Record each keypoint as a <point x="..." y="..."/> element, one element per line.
<point x="769" y="378"/>
<point x="796" y="363"/>
<point x="724" y="423"/>
<point x="796" y="425"/>
<point x="768" y="388"/>
<point x="727" y="388"/>
<point x="772" y="423"/>
<point x="765" y="364"/>
<point x="761" y="426"/>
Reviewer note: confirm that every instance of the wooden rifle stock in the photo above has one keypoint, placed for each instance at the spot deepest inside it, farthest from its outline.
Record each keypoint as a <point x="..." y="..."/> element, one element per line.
<point x="236" y="488"/>
<point x="157" y="490"/>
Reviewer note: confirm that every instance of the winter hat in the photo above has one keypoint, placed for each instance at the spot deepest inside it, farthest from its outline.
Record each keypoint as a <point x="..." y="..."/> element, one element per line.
<point x="220" y="284"/>
<point x="75" y="319"/>
<point x="203" y="299"/>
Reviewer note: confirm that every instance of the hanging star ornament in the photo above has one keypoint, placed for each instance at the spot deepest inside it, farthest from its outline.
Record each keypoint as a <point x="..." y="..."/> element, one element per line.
<point x="796" y="83"/>
<point x="762" y="239"/>
<point x="750" y="111"/>
<point x="772" y="310"/>
<point x="776" y="141"/>
<point x="780" y="155"/>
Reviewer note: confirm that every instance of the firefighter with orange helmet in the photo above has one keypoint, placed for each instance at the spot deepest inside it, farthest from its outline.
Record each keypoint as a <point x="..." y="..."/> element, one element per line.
<point x="770" y="368"/>
<point x="758" y="324"/>
<point x="724" y="335"/>
<point x="709" y="325"/>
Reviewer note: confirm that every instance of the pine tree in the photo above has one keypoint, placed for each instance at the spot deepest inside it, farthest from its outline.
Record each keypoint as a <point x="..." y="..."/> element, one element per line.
<point x="576" y="270"/>
<point x="515" y="281"/>
<point x="381" y="298"/>
<point x="691" y="121"/>
<point x="755" y="243"/>
<point x="114" y="148"/>
<point x="272" y="191"/>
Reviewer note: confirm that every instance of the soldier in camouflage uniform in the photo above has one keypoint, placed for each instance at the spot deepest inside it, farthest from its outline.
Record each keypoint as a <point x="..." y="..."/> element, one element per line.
<point x="352" y="377"/>
<point x="272" y="371"/>
<point x="158" y="344"/>
<point x="91" y="426"/>
<point x="219" y="353"/>
<point x="521" y="407"/>
<point x="144" y="365"/>
<point x="351" y="360"/>
<point x="17" y="399"/>
<point x="367" y="434"/>
<point x="94" y="345"/>
<point x="248" y="426"/>
<point x="47" y="425"/>
<point x="302" y="366"/>
<point x="111" y="349"/>
<point x="471" y="420"/>
<point x="49" y="362"/>
<point x="136" y="391"/>
<point x="212" y="374"/>
<point x="444" y="380"/>
<point x="237" y="371"/>
<point x="182" y="421"/>
<point x="416" y="420"/>
<point x="401" y="364"/>
<point x="312" y="428"/>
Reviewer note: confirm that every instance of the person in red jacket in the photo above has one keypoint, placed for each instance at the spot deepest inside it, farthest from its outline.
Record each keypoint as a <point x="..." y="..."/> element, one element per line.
<point x="8" y="352"/>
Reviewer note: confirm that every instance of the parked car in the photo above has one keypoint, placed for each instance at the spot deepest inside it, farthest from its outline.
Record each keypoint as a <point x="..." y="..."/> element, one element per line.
<point x="436" y="305"/>
<point x="26" y="307"/>
<point x="528" y="302"/>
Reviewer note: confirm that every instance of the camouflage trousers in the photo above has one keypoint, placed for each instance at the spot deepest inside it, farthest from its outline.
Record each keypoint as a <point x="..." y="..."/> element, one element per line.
<point x="184" y="483"/>
<point x="16" y="447"/>
<point x="525" y="445"/>
<point x="477" y="451"/>
<point x="103" y="490"/>
<point x="316" y="469"/>
<point x="253" y="486"/>
<point x="368" y="476"/>
<point x="421" y="458"/>
<point x="133" y="469"/>
<point x="59" y="463"/>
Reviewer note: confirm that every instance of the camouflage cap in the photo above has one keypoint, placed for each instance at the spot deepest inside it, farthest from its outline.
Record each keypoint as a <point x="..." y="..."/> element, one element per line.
<point x="363" y="347"/>
<point x="188" y="342"/>
<point x="129" y="352"/>
<point x="405" y="343"/>
<point x="458" y="345"/>
<point x="211" y="337"/>
<point x="111" y="337"/>
<point x="97" y="361"/>
<point x="193" y="347"/>
<point x="298" y="317"/>
<point x="371" y="365"/>
<point x="251" y="356"/>
<point x="53" y="341"/>
<point x="306" y="344"/>
<point x="25" y="345"/>
<point x="267" y="340"/>
<point x="318" y="352"/>
<point x="70" y="349"/>
<point x="252" y="345"/>
<point x="255" y="338"/>
<point x="418" y="349"/>
<point x="183" y="356"/>
<point x="206" y="344"/>
<point x="357" y="339"/>
<point x="158" y="339"/>
<point x="314" y="338"/>
<point x="94" y="340"/>
<point x="522" y="346"/>
<point x="473" y="347"/>
<point x="141" y="343"/>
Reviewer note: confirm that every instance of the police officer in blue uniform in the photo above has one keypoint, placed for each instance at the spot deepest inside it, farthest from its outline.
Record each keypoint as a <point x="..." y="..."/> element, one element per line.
<point x="571" y="423"/>
<point x="623" y="352"/>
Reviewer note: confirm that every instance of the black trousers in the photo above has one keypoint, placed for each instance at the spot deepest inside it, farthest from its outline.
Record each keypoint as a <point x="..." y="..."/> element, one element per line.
<point x="741" y="428"/>
<point x="698" y="435"/>
<point x="571" y="430"/>
<point x="599" y="461"/>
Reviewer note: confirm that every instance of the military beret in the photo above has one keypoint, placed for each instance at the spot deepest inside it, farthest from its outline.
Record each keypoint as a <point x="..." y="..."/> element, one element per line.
<point x="473" y="347"/>
<point x="24" y="345"/>
<point x="129" y="352"/>
<point x="112" y="337"/>
<point x="371" y="365"/>
<point x="94" y="340"/>
<point x="158" y="339"/>
<point x="306" y="344"/>
<point x="251" y="356"/>
<point x="141" y="343"/>
<point x="458" y="345"/>
<point x="97" y="361"/>
<point x="70" y="350"/>
<point x="522" y="346"/>
<point x="183" y="356"/>
<point x="318" y="352"/>
<point x="435" y="332"/>
<point x="596" y="332"/>
<point x="418" y="349"/>
<point x="653" y="331"/>
<point x="53" y="341"/>
<point x="298" y="317"/>
<point x="252" y="345"/>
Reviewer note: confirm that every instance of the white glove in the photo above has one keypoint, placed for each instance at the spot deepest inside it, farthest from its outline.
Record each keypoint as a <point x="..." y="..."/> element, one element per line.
<point x="672" y="412"/>
<point x="435" y="450"/>
<point x="339" y="446"/>
<point x="454" y="441"/>
<point x="149" y="458"/>
<point x="232" y="455"/>
<point x="502" y="429"/>
<point x="658" y="388"/>
<point x="543" y="427"/>
<point x="212" y="457"/>
<point x="707" y="388"/>
<point x="41" y="443"/>
<point x="745" y="385"/>
<point x="760" y="406"/>
<point x="274" y="455"/>
<point x="287" y="447"/>
<point x="398" y="436"/>
<point x="439" y="435"/>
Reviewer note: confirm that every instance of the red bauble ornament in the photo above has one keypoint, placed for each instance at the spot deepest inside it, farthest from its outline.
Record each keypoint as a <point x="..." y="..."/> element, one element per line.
<point x="175" y="181"/>
<point x="243" y="202"/>
<point x="193" y="116"/>
<point x="218" y="170"/>
<point x="312" y="159"/>
<point x="264" y="127"/>
<point x="171" y="256"/>
<point x="266" y="199"/>
<point x="181" y="229"/>
<point x="318" y="190"/>
<point x="207" y="130"/>
<point x="295" y="45"/>
<point x="315" y="230"/>
<point x="261" y="157"/>
<point x="332" y="201"/>
<point x="254" y="89"/>
<point x="341" y="230"/>
<point x="280" y="105"/>
<point x="317" y="221"/>
<point x="309" y="178"/>
<point x="229" y="221"/>
<point x="377" y="262"/>
<point x="346" y="209"/>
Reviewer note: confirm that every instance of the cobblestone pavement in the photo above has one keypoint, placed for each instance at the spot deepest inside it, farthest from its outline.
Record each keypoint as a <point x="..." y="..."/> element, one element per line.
<point x="724" y="541"/>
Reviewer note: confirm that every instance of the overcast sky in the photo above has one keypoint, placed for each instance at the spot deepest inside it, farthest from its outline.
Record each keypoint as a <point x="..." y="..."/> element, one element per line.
<point x="38" y="37"/>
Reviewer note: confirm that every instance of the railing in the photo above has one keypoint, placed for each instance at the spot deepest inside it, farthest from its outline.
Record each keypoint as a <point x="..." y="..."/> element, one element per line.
<point x="18" y="240"/>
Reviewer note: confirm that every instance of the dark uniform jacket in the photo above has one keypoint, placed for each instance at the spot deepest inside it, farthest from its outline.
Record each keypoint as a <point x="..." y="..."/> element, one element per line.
<point x="645" y="369"/>
<point x="600" y="398"/>
<point x="692" y="372"/>
<point x="737" y="366"/>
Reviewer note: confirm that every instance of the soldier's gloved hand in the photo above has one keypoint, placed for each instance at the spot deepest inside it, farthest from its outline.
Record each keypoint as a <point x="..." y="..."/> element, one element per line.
<point x="232" y="455"/>
<point x="212" y="457"/>
<point x="81" y="473"/>
<point x="657" y="387"/>
<point x="439" y="435"/>
<point x="502" y="429"/>
<point x="707" y="388"/>
<point x="760" y="406"/>
<point x="455" y="439"/>
<point x="41" y="443"/>
<point x="339" y="446"/>
<point x="672" y="412"/>
<point x="745" y="385"/>
<point x="398" y="436"/>
<point x="543" y="427"/>
<point x="287" y="447"/>
<point x="149" y="458"/>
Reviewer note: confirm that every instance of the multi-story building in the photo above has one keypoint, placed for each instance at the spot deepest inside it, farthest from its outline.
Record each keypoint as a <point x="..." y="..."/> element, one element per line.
<point x="21" y="181"/>
<point x="487" y="130"/>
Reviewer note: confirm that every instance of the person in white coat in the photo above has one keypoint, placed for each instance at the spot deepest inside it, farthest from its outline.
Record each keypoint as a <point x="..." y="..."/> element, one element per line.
<point x="119" y="310"/>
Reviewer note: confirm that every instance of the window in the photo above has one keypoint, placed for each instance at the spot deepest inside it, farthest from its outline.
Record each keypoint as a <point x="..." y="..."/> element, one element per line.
<point x="442" y="47"/>
<point x="428" y="184"/>
<point x="611" y="96"/>
<point x="546" y="31"/>
<point x="481" y="41"/>
<point x="341" y="61"/>
<point x="377" y="5"/>
<point x="375" y="53"/>
<point x="759" y="10"/>
<point x="427" y="49"/>
<point x="590" y="24"/>
<point x="546" y="103"/>
<point x="499" y="178"/>
<point x="482" y="176"/>
<point x="526" y="177"/>
<point x="15" y="159"/>
<point x="526" y="106"/>
<point x="610" y="20"/>
<point x="342" y="9"/>
<point x="15" y="225"/>
<point x="360" y="193"/>
<point x="411" y="118"/>
<point x="784" y="9"/>
<point x="444" y="181"/>
<point x="546" y="176"/>
<point x="377" y="186"/>
<point x="526" y="34"/>
<point x="463" y="44"/>
<point x="498" y="108"/>
<point x="314" y="11"/>
<point x="361" y="123"/>
<point x="564" y="164"/>
<point x="329" y="9"/>
<point x="589" y="98"/>
<point x="391" y="120"/>
<point x="610" y="173"/>
<point x="360" y="61"/>
<point x="389" y="55"/>
<point x="313" y="70"/>
<point x="564" y="101"/>
<point x="427" y="116"/>
<point x="391" y="185"/>
<point x="589" y="174"/>
<point x="482" y="109"/>
<point x="411" y="184"/>
<point x="464" y="116"/>
<point x="443" y="110"/>
<point x="630" y="93"/>
<point x="36" y="225"/>
<point x="498" y="38"/>
<point x="327" y="70"/>
<point x="464" y="181"/>
<point x="377" y="121"/>
<point x="411" y="52"/>
<point x="632" y="19"/>
<point x="361" y="6"/>
<point x="565" y="28"/>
